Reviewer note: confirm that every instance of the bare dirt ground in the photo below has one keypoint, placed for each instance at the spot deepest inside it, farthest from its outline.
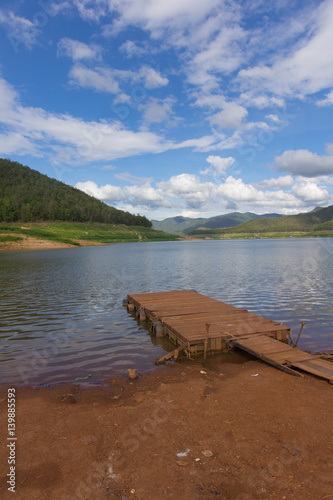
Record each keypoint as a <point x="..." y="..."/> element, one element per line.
<point x="28" y="243"/>
<point x="237" y="432"/>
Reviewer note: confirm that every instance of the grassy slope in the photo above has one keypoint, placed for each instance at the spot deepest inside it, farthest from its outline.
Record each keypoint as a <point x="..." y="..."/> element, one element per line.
<point x="71" y="232"/>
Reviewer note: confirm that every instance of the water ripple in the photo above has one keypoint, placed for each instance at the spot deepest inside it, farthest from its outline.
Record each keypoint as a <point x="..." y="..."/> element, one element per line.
<point x="61" y="313"/>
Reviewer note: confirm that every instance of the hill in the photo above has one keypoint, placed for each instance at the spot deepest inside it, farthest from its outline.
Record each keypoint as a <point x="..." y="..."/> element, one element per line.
<point x="27" y="195"/>
<point x="185" y="224"/>
<point x="320" y="219"/>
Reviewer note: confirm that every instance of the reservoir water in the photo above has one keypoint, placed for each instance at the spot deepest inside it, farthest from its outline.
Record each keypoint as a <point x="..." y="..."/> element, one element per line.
<point x="61" y="314"/>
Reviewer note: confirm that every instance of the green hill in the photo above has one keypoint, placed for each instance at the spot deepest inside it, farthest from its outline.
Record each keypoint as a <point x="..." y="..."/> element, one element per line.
<point x="319" y="219"/>
<point x="27" y="195"/>
<point x="185" y="224"/>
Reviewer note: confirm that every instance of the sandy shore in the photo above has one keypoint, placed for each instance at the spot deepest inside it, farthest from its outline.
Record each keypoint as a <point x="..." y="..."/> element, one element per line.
<point x="28" y="243"/>
<point x="238" y="432"/>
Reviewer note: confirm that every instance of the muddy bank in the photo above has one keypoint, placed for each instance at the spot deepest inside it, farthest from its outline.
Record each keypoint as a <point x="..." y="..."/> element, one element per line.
<point x="28" y="243"/>
<point x="236" y="432"/>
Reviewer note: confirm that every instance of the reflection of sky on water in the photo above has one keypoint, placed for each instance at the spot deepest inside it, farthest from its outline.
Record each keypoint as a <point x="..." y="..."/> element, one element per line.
<point x="61" y="311"/>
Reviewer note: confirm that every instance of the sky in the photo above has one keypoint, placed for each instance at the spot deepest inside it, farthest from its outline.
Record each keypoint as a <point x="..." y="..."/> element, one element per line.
<point x="178" y="107"/>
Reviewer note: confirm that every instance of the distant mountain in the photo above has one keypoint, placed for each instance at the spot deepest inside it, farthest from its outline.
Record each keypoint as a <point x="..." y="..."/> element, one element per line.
<point x="27" y="195"/>
<point x="320" y="219"/>
<point x="184" y="225"/>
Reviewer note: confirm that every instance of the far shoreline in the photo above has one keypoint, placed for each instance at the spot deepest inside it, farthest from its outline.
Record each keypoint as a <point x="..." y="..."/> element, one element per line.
<point x="29" y="243"/>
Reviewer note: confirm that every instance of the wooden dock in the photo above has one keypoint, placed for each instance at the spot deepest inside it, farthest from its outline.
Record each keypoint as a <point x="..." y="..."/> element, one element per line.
<point x="200" y="325"/>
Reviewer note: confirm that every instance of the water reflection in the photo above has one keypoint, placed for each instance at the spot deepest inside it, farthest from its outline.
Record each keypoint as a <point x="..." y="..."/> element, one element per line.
<point x="61" y="313"/>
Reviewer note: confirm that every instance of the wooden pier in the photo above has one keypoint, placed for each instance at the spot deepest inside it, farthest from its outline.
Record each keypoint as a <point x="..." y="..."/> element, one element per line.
<point x="200" y="325"/>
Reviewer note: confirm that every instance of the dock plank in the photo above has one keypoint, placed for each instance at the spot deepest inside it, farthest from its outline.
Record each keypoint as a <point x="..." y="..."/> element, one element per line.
<point x="184" y="315"/>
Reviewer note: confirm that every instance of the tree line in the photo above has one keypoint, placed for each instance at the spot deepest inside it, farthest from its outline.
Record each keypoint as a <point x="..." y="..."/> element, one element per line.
<point x="27" y="195"/>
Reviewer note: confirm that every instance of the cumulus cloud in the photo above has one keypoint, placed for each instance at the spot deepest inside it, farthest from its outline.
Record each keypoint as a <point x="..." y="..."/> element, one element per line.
<point x="309" y="191"/>
<point x="188" y="193"/>
<point x="78" y="50"/>
<point x="231" y="116"/>
<point x="143" y="195"/>
<point x="304" y="162"/>
<point x="189" y="187"/>
<point x="218" y="164"/>
<point x="283" y="182"/>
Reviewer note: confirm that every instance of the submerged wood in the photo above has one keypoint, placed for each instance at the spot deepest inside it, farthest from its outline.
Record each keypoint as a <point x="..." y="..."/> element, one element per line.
<point x="202" y="325"/>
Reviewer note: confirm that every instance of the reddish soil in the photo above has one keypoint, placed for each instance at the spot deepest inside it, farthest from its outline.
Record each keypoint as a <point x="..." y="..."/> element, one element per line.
<point x="245" y="432"/>
<point x="28" y="243"/>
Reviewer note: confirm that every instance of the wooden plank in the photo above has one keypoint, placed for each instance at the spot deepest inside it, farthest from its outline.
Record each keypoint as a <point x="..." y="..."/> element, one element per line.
<point x="318" y="367"/>
<point x="266" y="359"/>
<point x="172" y="354"/>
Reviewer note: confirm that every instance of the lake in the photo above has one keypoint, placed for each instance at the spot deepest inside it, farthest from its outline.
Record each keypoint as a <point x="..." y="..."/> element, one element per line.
<point x="61" y="314"/>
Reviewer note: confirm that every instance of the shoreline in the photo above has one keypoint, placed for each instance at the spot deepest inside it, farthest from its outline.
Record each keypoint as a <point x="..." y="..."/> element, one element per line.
<point x="236" y="431"/>
<point x="30" y="243"/>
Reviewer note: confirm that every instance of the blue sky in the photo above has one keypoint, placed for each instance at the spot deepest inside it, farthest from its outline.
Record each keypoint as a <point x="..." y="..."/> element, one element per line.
<point x="172" y="108"/>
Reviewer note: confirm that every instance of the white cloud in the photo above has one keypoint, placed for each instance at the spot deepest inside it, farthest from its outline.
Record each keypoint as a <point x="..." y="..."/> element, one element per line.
<point x="218" y="164"/>
<point x="283" y="182"/>
<point x="189" y="187"/>
<point x="152" y="79"/>
<point x="156" y="111"/>
<point x="157" y="15"/>
<point x="71" y="140"/>
<point x="143" y="195"/>
<point x="329" y="149"/>
<point x="132" y="49"/>
<point x="91" y="10"/>
<point x="19" y="30"/>
<point x="307" y="70"/>
<point x="309" y="191"/>
<point x="104" y="193"/>
<point x="305" y="163"/>
<point x="237" y="190"/>
<point x="78" y="50"/>
<point x="231" y="116"/>
<point x="261" y="101"/>
<point x="187" y="194"/>
<point x="14" y="143"/>
<point x="327" y="101"/>
<point x="99" y="79"/>
<point x="273" y="118"/>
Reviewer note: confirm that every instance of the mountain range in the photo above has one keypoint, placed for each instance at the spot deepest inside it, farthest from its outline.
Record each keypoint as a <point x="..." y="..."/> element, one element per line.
<point x="184" y="225"/>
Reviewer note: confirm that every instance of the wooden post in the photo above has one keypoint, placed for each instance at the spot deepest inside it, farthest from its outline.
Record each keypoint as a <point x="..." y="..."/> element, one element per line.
<point x="206" y="342"/>
<point x="299" y="333"/>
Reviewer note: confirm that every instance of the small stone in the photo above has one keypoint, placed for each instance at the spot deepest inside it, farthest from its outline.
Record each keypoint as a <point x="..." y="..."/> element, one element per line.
<point x="89" y="439"/>
<point x="207" y="453"/>
<point x="182" y="463"/>
<point x="132" y="374"/>
<point x="203" y="372"/>
<point x="68" y="398"/>
<point x="133" y="491"/>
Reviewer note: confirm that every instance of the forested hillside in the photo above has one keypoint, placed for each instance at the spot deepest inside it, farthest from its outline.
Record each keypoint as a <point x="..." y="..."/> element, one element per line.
<point x="186" y="224"/>
<point x="27" y="195"/>
<point x="320" y="219"/>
